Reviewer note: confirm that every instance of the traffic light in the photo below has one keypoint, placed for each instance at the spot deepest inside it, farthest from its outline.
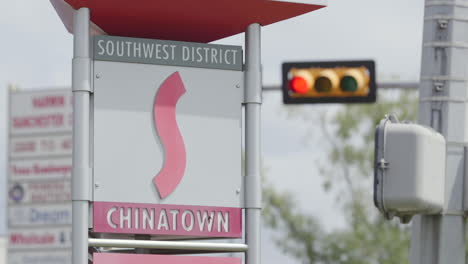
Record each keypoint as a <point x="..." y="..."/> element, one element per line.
<point x="329" y="82"/>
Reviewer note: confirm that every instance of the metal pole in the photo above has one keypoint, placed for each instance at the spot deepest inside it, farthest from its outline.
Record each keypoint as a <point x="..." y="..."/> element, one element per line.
<point x="253" y="101"/>
<point x="440" y="239"/>
<point x="81" y="86"/>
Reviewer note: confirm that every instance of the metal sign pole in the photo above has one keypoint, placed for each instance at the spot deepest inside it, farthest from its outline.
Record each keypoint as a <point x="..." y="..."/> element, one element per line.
<point x="81" y="86"/>
<point x="440" y="239"/>
<point x="253" y="101"/>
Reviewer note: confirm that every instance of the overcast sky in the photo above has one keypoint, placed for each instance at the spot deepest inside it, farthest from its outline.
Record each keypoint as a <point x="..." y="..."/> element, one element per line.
<point x="36" y="52"/>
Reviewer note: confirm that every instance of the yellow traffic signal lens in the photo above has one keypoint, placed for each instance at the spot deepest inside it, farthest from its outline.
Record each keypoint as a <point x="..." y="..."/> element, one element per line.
<point x="323" y="84"/>
<point x="299" y="85"/>
<point x="348" y="84"/>
<point x="327" y="81"/>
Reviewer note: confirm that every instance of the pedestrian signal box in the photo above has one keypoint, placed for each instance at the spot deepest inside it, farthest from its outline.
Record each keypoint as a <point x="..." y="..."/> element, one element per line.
<point x="409" y="169"/>
<point x="329" y="82"/>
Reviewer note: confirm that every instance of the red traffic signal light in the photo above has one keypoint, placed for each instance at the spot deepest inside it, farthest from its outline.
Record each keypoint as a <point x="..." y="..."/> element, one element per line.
<point x="329" y="82"/>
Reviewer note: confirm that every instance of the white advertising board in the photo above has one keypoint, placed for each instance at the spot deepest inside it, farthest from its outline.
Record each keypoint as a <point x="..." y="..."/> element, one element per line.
<point x="40" y="215"/>
<point x="35" y="112"/>
<point x="39" y="192"/>
<point x="42" y="169"/>
<point x="39" y="175"/>
<point x="40" y="257"/>
<point x="167" y="134"/>
<point x="52" y="237"/>
<point x="41" y="146"/>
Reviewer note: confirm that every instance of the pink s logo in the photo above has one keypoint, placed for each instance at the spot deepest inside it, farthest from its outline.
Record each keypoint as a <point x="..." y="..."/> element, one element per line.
<point x="166" y="125"/>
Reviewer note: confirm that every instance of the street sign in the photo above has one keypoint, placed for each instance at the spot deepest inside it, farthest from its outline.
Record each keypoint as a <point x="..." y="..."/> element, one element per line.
<point x="183" y="124"/>
<point x="163" y="52"/>
<point x="157" y="219"/>
<point x="39" y="176"/>
<point x="104" y="258"/>
<point x="165" y="128"/>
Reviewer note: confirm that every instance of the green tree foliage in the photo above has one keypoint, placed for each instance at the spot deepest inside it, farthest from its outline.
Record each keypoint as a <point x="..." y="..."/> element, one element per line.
<point x="367" y="238"/>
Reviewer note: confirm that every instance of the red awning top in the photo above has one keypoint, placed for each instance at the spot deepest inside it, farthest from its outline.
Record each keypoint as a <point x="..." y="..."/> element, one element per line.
<point x="183" y="20"/>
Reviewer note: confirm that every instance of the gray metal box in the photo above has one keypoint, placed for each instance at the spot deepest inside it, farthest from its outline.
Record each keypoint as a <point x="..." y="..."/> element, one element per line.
<point x="409" y="169"/>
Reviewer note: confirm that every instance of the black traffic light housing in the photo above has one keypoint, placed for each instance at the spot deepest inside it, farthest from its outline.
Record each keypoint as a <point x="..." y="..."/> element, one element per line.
<point x="329" y="82"/>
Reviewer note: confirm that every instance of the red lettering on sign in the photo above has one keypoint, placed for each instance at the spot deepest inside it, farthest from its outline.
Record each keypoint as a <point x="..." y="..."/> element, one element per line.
<point x="31" y="239"/>
<point x="48" y="101"/>
<point x="20" y="170"/>
<point x="52" y="120"/>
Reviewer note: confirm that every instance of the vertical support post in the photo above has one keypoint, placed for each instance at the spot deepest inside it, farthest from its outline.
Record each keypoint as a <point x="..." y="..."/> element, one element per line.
<point x="81" y="173"/>
<point x="253" y="101"/>
<point x="443" y="94"/>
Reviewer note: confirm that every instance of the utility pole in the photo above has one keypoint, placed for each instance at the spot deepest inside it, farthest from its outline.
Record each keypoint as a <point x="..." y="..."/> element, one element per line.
<point x="443" y="93"/>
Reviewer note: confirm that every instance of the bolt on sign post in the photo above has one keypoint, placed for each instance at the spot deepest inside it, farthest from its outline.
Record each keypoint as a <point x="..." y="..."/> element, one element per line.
<point x="329" y="82"/>
<point x="39" y="174"/>
<point x="158" y="126"/>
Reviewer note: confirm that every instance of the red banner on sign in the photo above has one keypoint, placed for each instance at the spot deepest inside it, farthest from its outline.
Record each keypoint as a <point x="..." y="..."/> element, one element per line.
<point x="106" y="258"/>
<point x="166" y="219"/>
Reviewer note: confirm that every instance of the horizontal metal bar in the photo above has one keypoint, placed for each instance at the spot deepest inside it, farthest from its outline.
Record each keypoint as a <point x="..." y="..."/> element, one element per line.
<point x="446" y="3"/>
<point x="398" y="85"/>
<point x="443" y="78"/>
<point x="171" y="245"/>
<point x="384" y="85"/>
<point x="446" y="44"/>
<point x="444" y="17"/>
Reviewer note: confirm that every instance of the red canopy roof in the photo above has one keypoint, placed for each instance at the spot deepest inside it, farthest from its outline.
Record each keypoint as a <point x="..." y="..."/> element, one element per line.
<point x="183" y="20"/>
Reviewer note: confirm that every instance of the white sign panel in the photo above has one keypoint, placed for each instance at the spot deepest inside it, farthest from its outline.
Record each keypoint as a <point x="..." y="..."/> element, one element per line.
<point x="39" y="112"/>
<point x="44" y="169"/>
<point x="40" y="257"/>
<point x="39" y="174"/>
<point x="41" y="146"/>
<point x="167" y="134"/>
<point x="56" y="237"/>
<point x="39" y="192"/>
<point x="38" y="215"/>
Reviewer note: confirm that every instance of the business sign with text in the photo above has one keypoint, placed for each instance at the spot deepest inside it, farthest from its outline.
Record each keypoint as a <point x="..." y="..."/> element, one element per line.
<point x="52" y="238"/>
<point x="38" y="112"/>
<point x="39" y="176"/>
<point x="40" y="215"/>
<point x="43" y="146"/>
<point x="40" y="169"/>
<point x="167" y="132"/>
<point x="39" y="192"/>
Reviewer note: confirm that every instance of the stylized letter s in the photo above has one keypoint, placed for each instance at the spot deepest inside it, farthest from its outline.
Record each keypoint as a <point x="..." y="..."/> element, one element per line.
<point x="174" y="165"/>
